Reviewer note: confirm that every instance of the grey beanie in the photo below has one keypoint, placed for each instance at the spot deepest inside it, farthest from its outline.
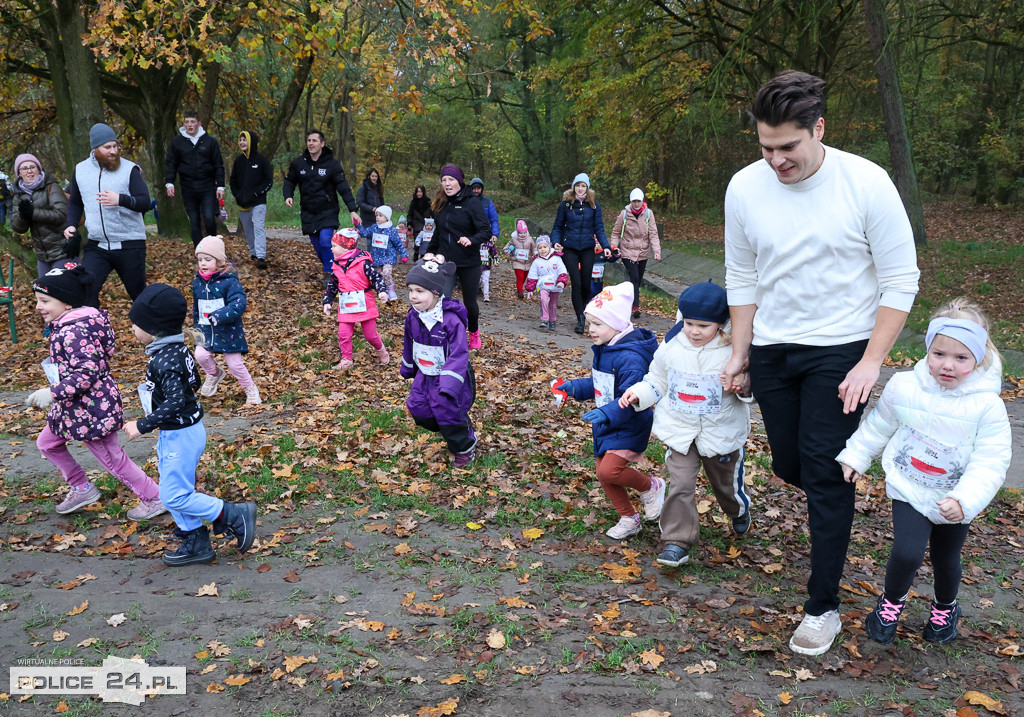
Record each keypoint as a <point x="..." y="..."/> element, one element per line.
<point x="475" y="181"/>
<point x="99" y="134"/>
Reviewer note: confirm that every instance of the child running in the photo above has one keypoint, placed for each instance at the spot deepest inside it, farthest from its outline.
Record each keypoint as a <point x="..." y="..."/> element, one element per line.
<point x="386" y="245"/>
<point x="354" y="280"/>
<point x="699" y="422"/>
<point x="422" y="240"/>
<point x="84" y="402"/>
<point x="218" y="302"/>
<point x="548" y="273"/>
<point x="522" y="249"/>
<point x="435" y="355"/>
<point x="488" y="255"/>
<point x="169" y="401"/>
<point x="622" y="355"/>
<point x="944" y="438"/>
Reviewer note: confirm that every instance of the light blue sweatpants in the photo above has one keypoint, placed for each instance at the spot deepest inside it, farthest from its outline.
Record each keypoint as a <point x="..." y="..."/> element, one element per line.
<point x="178" y="452"/>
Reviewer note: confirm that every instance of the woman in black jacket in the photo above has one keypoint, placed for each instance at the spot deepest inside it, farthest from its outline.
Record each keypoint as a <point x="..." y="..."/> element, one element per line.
<point x="369" y="197"/>
<point x="460" y="227"/>
<point x="419" y="210"/>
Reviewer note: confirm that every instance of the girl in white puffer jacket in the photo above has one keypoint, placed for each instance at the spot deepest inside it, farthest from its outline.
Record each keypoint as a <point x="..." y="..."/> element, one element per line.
<point x="944" y="438"/>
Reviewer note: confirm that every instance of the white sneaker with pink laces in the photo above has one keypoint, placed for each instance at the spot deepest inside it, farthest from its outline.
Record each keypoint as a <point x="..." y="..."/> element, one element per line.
<point x="653" y="499"/>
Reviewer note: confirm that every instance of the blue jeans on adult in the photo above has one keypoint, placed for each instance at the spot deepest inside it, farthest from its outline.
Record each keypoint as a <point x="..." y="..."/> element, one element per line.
<point x="797" y="390"/>
<point x="201" y="208"/>
<point x="321" y="242"/>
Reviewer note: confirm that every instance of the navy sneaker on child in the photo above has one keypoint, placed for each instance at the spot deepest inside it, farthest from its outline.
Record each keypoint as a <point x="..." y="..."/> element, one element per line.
<point x="239" y="521"/>
<point x="941" y="625"/>
<point x="673" y="556"/>
<point x="881" y="623"/>
<point x="741" y="524"/>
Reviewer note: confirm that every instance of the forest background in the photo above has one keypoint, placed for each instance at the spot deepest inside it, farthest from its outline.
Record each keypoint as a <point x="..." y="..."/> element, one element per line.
<point x="524" y="93"/>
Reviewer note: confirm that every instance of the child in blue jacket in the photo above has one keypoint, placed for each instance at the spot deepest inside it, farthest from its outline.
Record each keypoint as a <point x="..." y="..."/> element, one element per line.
<point x="622" y="355"/>
<point x="218" y="302"/>
<point x="386" y="246"/>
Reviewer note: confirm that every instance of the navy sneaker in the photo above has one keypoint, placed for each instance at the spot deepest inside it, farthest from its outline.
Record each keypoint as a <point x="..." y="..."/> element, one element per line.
<point x="941" y="625"/>
<point x="741" y="524"/>
<point x="881" y="623"/>
<point x="195" y="548"/>
<point x="673" y="556"/>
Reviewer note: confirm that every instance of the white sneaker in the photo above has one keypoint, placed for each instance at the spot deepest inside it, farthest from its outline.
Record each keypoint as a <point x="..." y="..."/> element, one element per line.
<point x="653" y="499"/>
<point x="212" y="381"/>
<point x="628" y="525"/>
<point x="816" y="633"/>
<point x="252" y="395"/>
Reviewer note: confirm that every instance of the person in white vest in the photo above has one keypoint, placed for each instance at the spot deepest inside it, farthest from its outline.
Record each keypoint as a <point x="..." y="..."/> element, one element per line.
<point x="821" y="271"/>
<point x="113" y="197"/>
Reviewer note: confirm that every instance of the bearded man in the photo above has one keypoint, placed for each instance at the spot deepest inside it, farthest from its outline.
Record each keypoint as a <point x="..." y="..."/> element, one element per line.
<point x="112" y="195"/>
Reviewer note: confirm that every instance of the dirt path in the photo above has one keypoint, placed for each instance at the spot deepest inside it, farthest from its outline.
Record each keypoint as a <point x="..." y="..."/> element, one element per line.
<point x="383" y="583"/>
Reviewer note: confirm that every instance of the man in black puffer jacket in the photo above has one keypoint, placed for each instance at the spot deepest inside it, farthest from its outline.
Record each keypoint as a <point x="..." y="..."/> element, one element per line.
<point x="251" y="179"/>
<point x="320" y="180"/>
<point x="196" y="157"/>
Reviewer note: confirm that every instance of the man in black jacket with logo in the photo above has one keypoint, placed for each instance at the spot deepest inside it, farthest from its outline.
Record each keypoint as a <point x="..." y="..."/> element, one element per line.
<point x="320" y="180"/>
<point x="196" y="157"/>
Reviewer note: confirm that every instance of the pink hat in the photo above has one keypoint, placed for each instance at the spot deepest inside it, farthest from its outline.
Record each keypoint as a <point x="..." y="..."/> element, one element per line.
<point x="346" y="238"/>
<point x="521" y="227"/>
<point x="214" y="246"/>
<point x="22" y="158"/>
<point x="613" y="306"/>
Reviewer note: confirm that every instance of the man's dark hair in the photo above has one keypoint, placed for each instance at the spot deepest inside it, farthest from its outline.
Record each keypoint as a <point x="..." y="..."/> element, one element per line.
<point x="190" y="113"/>
<point x="790" y="96"/>
<point x="314" y="130"/>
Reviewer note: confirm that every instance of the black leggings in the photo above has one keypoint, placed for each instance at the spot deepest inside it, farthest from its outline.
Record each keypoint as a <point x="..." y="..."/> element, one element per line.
<point x="468" y="278"/>
<point x="911" y="534"/>
<point x="580" y="265"/>
<point x="636" y="270"/>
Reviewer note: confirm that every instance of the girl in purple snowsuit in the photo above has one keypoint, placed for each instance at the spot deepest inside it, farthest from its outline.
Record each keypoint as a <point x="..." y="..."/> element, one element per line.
<point x="435" y="355"/>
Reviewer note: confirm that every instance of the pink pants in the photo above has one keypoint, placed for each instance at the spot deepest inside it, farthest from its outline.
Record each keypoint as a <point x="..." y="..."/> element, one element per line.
<point x="549" y="305"/>
<point x="234" y="363"/>
<point x="347" y="328"/>
<point x="110" y="455"/>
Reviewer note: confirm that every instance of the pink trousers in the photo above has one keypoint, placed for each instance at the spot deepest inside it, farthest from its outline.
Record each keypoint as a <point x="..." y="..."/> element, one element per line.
<point x="110" y="455"/>
<point x="346" y="329"/>
<point x="549" y="305"/>
<point x="234" y="363"/>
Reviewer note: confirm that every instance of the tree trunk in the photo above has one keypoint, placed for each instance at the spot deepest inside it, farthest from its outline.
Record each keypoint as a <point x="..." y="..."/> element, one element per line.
<point x="904" y="175"/>
<point x="208" y="100"/>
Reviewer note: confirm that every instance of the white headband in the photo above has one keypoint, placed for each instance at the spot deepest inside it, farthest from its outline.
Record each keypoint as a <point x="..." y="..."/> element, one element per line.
<point x="969" y="333"/>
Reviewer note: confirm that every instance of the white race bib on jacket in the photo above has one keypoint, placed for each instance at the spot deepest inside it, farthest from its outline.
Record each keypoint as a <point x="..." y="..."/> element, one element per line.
<point x="485" y="253"/>
<point x="52" y="371"/>
<point x="379" y="241"/>
<point x="428" y="359"/>
<point x="522" y="255"/>
<point x="928" y="461"/>
<point x="604" y="387"/>
<point x="351" y="302"/>
<point x="694" y="393"/>
<point x="207" y="307"/>
<point x="146" y="397"/>
<point x="598" y="272"/>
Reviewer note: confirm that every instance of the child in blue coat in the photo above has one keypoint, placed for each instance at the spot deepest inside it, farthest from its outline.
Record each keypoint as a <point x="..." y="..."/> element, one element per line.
<point x="218" y="302"/>
<point x="386" y="246"/>
<point x="622" y="355"/>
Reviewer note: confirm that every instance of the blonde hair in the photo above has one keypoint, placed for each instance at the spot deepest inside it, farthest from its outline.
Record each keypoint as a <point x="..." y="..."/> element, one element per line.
<point x="963" y="308"/>
<point x="570" y="196"/>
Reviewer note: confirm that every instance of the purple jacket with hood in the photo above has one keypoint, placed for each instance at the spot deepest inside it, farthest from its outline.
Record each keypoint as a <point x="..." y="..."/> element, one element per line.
<point x="87" y="403"/>
<point x="449" y="394"/>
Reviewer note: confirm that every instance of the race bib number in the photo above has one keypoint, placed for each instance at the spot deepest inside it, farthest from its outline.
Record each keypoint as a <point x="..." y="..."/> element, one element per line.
<point x="352" y="302"/>
<point x="604" y="387"/>
<point x="927" y="461"/>
<point x="549" y="283"/>
<point x="694" y="393"/>
<point x="598" y="272"/>
<point x="51" y="371"/>
<point x="522" y="255"/>
<point x="146" y="397"/>
<point x="207" y="307"/>
<point x="379" y="241"/>
<point x="428" y="359"/>
<point x="485" y="254"/>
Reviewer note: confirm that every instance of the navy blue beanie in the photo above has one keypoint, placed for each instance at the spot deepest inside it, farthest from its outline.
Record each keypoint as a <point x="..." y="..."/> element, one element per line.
<point x="706" y="301"/>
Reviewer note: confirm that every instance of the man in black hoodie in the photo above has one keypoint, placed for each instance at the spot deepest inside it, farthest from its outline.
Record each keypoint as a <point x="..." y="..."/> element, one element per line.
<point x="320" y="180"/>
<point x="251" y="179"/>
<point x="195" y="156"/>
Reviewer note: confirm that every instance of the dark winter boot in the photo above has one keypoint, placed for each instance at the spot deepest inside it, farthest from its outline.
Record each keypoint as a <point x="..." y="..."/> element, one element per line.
<point x="238" y="520"/>
<point x="580" y="323"/>
<point x="195" y="548"/>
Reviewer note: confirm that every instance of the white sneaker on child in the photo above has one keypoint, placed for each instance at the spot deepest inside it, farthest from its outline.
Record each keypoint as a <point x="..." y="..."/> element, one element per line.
<point x="653" y="499"/>
<point x="628" y="525"/>
<point x="212" y="381"/>
<point x="252" y="395"/>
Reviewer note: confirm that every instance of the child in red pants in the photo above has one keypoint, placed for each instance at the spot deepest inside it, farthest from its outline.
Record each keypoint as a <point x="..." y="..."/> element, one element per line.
<point x="522" y="250"/>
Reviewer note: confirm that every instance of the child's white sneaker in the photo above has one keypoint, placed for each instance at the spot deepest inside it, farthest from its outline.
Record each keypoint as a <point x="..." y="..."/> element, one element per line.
<point x="252" y="395"/>
<point x="212" y="381"/>
<point x="147" y="509"/>
<point x="628" y="525"/>
<point x="653" y="498"/>
<point x="344" y="365"/>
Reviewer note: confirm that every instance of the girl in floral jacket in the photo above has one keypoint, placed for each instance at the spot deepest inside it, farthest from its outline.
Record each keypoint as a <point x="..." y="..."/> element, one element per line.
<point x="83" y="400"/>
<point x="218" y="302"/>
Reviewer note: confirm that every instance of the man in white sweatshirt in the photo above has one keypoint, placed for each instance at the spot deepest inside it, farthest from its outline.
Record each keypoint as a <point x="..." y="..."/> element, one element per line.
<point x="821" y="272"/>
